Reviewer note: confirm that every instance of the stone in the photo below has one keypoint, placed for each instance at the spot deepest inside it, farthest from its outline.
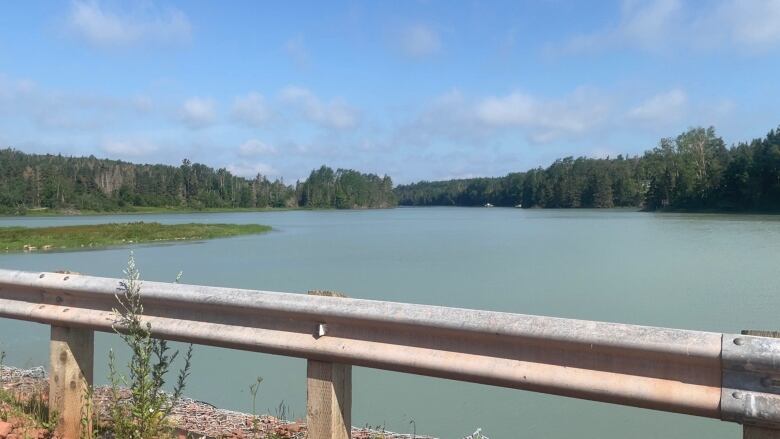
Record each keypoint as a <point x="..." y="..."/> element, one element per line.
<point x="5" y="429"/>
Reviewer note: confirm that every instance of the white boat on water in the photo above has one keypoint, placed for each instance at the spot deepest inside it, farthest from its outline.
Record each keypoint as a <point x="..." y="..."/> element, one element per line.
<point x="488" y="205"/>
<point x="519" y="206"/>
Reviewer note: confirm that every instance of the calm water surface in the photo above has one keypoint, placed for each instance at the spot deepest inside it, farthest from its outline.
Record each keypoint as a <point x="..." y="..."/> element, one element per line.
<point x="706" y="272"/>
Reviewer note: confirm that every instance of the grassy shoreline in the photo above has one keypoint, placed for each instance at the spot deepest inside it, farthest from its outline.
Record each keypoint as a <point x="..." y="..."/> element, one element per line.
<point x="14" y="239"/>
<point x="45" y="212"/>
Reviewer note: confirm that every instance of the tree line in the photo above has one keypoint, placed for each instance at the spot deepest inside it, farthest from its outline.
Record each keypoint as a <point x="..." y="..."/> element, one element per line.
<point x="30" y="181"/>
<point x="693" y="171"/>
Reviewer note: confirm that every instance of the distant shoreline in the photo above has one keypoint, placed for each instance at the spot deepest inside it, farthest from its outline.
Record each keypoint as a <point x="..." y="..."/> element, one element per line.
<point x="43" y="212"/>
<point x="46" y="212"/>
<point x="606" y="209"/>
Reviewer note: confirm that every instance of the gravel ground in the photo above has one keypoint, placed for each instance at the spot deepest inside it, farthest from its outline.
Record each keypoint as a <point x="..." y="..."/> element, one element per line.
<point x="193" y="418"/>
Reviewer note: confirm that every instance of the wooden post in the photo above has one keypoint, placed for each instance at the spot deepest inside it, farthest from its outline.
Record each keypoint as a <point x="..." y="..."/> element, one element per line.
<point x="71" y="362"/>
<point x="749" y="431"/>
<point x="329" y="400"/>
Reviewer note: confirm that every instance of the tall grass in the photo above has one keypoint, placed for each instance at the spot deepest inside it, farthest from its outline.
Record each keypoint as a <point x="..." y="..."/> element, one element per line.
<point x="33" y="404"/>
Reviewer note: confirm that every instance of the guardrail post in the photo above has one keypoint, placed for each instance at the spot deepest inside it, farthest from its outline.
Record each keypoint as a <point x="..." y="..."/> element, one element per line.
<point x="71" y="362"/>
<point x="750" y="431"/>
<point x="329" y="400"/>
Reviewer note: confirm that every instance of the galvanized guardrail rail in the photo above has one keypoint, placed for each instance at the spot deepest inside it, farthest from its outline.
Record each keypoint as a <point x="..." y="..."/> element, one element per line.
<point x="725" y="376"/>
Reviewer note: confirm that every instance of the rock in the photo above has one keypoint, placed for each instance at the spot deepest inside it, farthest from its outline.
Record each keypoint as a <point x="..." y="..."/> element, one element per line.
<point x="288" y="430"/>
<point x="5" y="429"/>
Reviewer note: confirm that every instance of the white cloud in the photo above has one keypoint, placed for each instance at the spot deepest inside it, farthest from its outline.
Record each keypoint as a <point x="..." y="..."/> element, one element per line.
<point x="661" y="109"/>
<point x="254" y="147"/>
<point x="250" y="170"/>
<point x="466" y="122"/>
<point x="752" y="24"/>
<point x="102" y="27"/>
<point x="143" y="104"/>
<point x="649" y="23"/>
<point x="128" y="148"/>
<point x="419" y="41"/>
<point x="723" y="108"/>
<point x="198" y="113"/>
<point x="23" y="99"/>
<point x="333" y="114"/>
<point x="10" y="88"/>
<point x="545" y="120"/>
<point x="449" y="117"/>
<point x="657" y="25"/>
<point x="295" y="48"/>
<point x="251" y="110"/>
<point x="25" y="86"/>
<point x="514" y="109"/>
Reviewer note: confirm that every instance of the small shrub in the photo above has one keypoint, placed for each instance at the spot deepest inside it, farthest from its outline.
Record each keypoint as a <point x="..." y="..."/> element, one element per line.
<point x="144" y="415"/>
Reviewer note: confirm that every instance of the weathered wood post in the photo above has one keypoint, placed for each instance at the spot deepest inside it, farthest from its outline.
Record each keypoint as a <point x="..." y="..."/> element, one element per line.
<point x="749" y="431"/>
<point x="71" y="363"/>
<point x="328" y="400"/>
<point x="328" y="392"/>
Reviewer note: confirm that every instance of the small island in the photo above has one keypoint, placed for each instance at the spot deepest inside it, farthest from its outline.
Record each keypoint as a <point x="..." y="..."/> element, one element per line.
<point x="105" y="235"/>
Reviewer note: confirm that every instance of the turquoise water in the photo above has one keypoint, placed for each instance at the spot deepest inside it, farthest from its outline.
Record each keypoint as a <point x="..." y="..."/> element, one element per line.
<point x="707" y="272"/>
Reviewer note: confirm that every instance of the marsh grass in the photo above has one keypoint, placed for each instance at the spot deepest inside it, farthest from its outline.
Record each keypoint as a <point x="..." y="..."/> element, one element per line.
<point x="104" y="235"/>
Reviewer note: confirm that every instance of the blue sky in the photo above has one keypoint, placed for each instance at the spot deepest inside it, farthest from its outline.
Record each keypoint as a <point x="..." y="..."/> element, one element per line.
<point x="415" y="89"/>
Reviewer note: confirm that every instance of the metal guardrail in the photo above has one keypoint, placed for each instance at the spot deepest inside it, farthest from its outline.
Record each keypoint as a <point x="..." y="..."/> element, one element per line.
<point x="726" y="376"/>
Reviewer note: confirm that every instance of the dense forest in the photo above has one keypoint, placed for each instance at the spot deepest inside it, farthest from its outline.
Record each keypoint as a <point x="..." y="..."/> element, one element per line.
<point x="30" y="181"/>
<point x="694" y="171"/>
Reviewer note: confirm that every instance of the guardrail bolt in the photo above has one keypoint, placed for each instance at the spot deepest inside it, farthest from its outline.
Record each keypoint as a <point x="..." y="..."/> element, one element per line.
<point x="322" y="329"/>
